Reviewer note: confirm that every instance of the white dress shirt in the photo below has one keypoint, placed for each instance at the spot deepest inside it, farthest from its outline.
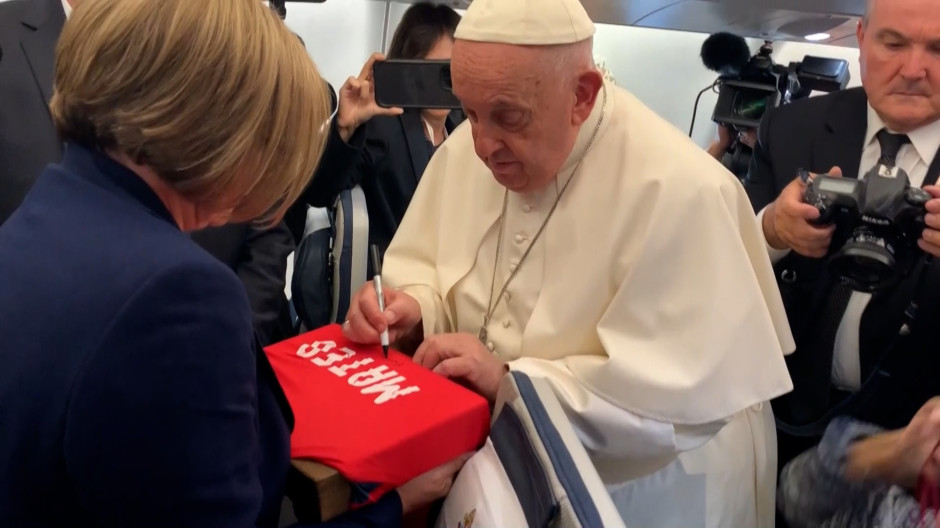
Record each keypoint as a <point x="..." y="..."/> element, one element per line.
<point x="430" y="131"/>
<point x="914" y="158"/>
<point x="67" y="7"/>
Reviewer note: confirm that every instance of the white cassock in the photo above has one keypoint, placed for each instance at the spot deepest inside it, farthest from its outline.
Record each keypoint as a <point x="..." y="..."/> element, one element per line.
<point x="648" y="302"/>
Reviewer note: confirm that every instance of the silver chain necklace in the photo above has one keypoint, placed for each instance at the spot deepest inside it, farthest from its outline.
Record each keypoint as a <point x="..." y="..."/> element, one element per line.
<point x="491" y="305"/>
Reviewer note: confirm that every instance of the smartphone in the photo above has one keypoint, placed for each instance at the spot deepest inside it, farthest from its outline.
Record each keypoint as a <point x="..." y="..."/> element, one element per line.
<point x="413" y="84"/>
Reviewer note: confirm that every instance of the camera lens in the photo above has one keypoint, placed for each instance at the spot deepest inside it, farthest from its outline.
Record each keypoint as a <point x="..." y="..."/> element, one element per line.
<point x="865" y="262"/>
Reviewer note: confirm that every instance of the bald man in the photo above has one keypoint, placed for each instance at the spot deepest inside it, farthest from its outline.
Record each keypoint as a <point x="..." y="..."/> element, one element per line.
<point x="568" y="232"/>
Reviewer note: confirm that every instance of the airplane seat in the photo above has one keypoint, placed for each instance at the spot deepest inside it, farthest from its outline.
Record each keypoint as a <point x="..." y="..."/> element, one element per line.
<point x="331" y="261"/>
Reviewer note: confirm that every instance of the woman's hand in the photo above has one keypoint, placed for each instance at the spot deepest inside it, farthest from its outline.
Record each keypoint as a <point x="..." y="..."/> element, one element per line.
<point x="430" y="486"/>
<point x="357" y="101"/>
<point x="900" y="457"/>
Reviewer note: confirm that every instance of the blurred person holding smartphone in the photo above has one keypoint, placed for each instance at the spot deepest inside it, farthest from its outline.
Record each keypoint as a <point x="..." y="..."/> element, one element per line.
<point x="385" y="150"/>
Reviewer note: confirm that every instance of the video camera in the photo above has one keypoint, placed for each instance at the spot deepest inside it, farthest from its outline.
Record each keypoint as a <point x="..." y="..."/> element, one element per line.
<point x="878" y="220"/>
<point x="750" y="85"/>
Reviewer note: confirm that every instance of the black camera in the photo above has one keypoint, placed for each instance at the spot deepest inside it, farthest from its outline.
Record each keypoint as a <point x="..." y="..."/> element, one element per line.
<point x="878" y="221"/>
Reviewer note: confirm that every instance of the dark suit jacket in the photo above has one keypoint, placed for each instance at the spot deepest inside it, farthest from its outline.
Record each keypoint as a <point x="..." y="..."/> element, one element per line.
<point x="131" y="393"/>
<point x="386" y="156"/>
<point x="28" y="33"/>
<point x="817" y="134"/>
<point x="29" y="30"/>
<point x="259" y="258"/>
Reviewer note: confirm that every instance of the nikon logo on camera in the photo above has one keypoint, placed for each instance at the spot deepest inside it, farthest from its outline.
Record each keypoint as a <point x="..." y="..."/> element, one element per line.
<point x="875" y="220"/>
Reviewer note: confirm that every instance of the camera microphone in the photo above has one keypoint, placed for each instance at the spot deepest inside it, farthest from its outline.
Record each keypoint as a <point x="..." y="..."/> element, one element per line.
<point x="725" y="53"/>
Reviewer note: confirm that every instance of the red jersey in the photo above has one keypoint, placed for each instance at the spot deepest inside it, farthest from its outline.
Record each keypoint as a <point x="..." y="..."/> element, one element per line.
<point x="379" y="422"/>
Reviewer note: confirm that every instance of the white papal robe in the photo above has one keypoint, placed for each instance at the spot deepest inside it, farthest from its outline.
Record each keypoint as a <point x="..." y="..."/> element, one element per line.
<point x="648" y="302"/>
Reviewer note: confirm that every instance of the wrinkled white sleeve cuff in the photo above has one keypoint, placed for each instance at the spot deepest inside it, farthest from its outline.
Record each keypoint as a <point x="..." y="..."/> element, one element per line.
<point x="433" y="316"/>
<point x="610" y="432"/>
<point x="776" y="255"/>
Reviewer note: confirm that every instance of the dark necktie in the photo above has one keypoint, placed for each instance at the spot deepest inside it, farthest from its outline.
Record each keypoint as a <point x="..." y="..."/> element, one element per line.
<point x="838" y="298"/>
<point x="890" y="145"/>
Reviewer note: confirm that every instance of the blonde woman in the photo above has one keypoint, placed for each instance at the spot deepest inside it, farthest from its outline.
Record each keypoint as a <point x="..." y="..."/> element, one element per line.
<point x="131" y="392"/>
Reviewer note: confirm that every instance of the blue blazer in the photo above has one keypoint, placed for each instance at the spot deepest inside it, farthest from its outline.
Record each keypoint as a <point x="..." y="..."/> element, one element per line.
<point x="132" y="392"/>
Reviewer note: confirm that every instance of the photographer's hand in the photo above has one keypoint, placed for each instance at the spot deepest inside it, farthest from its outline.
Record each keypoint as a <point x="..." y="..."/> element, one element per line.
<point x="930" y="241"/>
<point x="748" y="137"/>
<point x="719" y="146"/>
<point x="786" y="222"/>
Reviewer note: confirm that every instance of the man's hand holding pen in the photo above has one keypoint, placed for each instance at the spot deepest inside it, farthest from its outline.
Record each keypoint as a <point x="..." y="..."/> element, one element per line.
<point x="379" y="315"/>
<point x="365" y="321"/>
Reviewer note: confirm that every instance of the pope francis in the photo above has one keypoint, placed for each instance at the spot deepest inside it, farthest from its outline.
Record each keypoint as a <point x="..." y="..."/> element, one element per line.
<point x="569" y="232"/>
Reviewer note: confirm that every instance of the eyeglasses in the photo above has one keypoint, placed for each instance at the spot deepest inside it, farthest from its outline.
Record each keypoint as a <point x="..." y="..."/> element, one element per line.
<point x="335" y="104"/>
<point x="326" y="124"/>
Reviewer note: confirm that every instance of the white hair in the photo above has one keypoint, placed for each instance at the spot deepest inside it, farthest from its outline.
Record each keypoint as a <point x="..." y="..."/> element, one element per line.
<point x="601" y="66"/>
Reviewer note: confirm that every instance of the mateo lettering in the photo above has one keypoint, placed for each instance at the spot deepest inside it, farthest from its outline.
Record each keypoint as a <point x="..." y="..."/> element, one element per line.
<point x="341" y="362"/>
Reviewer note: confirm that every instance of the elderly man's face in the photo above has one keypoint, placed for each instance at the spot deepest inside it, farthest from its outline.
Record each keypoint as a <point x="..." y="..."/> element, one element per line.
<point x="900" y="61"/>
<point x="522" y="121"/>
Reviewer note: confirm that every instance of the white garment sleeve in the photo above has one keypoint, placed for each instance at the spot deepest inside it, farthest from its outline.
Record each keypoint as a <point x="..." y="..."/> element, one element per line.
<point x="776" y="255"/>
<point x="433" y="316"/>
<point x="609" y="432"/>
